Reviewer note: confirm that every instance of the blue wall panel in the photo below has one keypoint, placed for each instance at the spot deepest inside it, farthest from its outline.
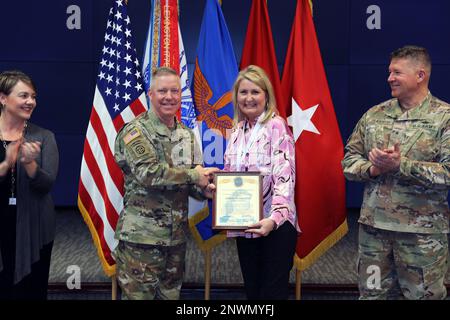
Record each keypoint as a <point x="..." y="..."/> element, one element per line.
<point x="332" y="22"/>
<point x="70" y="148"/>
<point x="36" y="31"/>
<point x="404" y="22"/>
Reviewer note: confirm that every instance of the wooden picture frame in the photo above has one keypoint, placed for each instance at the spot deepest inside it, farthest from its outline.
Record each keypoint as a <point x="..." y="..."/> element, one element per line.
<point x="237" y="201"/>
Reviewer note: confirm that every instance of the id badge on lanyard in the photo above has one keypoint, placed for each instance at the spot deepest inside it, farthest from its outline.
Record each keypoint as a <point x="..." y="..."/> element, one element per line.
<point x="244" y="147"/>
<point x="12" y="200"/>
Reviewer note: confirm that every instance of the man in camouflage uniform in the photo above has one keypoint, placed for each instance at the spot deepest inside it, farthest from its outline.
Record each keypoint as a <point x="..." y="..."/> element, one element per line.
<point x="401" y="150"/>
<point x="161" y="164"/>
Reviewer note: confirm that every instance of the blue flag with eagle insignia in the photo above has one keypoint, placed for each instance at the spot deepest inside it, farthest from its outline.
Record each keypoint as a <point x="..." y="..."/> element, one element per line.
<point x="215" y="72"/>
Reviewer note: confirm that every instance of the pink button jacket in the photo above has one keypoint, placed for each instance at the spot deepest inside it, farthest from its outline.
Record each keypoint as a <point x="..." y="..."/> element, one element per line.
<point x="273" y="154"/>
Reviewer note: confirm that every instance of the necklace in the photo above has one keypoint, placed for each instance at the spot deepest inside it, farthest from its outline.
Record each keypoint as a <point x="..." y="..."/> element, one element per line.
<point x="12" y="199"/>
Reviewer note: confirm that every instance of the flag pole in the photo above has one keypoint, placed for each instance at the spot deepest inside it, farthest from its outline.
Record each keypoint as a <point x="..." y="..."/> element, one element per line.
<point x="113" y="278"/>
<point x="298" y="284"/>
<point x="113" y="287"/>
<point x="208" y="259"/>
<point x="207" y="273"/>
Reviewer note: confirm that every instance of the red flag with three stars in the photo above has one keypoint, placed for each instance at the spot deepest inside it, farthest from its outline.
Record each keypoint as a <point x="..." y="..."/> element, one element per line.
<point x="320" y="186"/>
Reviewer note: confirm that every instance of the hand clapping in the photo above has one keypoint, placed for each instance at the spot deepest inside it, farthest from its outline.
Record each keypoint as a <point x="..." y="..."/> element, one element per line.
<point x="387" y="160"/>
<point x="30" y="151"/>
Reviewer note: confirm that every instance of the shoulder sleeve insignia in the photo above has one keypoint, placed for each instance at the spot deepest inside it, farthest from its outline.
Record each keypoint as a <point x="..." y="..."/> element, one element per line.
<point x="139" y="148"/>
<point x="133" y="134"/>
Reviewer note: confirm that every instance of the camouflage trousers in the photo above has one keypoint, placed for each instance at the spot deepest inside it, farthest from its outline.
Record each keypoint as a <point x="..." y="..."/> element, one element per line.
<point x="149" y="272"/>
<point x="398" y="265"/>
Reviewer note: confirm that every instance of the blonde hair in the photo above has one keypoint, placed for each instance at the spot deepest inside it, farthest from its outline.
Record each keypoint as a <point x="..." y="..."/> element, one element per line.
<point x="257" y="76"/>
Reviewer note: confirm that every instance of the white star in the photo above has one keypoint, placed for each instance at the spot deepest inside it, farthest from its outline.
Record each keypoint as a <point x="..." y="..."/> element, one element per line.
<point x="116" y="107"/>
<point x="127" y="57"/>
<point x="108" y="91"/>
<point x="138" y="86"/>
<point x="301" y="119"/>
<point x="127" y="71"/>
<point x="127" y="84"/>
<point x="128" y="33"/>
<point x="118" y="15"/>
<point x="126" y="97"/>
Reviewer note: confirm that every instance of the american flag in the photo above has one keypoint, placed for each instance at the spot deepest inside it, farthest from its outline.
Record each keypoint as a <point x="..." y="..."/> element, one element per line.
<point x="119" y="97"/>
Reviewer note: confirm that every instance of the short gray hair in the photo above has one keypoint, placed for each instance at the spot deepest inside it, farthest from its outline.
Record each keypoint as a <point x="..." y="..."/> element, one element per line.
<point x="162" y="71"/>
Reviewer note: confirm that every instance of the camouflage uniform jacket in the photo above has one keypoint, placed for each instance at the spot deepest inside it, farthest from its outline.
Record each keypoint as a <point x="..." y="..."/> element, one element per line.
<point x="158" y="169"/>
<point x="414" y="199"/>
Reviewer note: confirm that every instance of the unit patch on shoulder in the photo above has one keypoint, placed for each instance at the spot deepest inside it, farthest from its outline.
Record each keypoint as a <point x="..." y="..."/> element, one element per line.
<point x="133" y="134"/>
<point x="139" y="148"/>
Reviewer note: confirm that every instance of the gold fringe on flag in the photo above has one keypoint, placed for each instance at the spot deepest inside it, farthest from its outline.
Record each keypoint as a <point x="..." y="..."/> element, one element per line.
<point x="109" y="270"/>
<point x="327" y="243"/>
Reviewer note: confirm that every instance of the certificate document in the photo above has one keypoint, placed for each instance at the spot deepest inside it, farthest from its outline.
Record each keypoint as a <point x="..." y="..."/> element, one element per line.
<point x="237" y="202"/>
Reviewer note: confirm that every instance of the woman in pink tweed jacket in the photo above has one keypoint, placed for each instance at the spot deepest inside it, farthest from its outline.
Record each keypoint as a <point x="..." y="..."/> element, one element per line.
<point x="261" y="141"/>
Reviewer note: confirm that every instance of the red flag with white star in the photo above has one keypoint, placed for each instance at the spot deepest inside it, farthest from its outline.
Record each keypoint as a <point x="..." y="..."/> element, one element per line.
<point x="320" y="186"/>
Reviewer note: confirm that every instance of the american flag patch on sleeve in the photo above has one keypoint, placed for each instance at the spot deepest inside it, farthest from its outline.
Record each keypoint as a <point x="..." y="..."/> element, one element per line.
<point x="133" y="134"/>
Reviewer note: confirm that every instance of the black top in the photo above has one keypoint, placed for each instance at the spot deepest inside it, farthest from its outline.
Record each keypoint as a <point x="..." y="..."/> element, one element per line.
<point x="7" y="222"/>
<point x="5" y="183"/>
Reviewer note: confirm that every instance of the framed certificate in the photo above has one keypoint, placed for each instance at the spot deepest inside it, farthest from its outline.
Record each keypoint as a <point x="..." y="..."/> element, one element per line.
<point x="237" y="202"/>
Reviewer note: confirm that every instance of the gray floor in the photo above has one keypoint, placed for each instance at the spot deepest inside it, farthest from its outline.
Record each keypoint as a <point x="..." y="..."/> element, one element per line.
<point x="332" y="277"/>
<point x="74" y="247"/>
